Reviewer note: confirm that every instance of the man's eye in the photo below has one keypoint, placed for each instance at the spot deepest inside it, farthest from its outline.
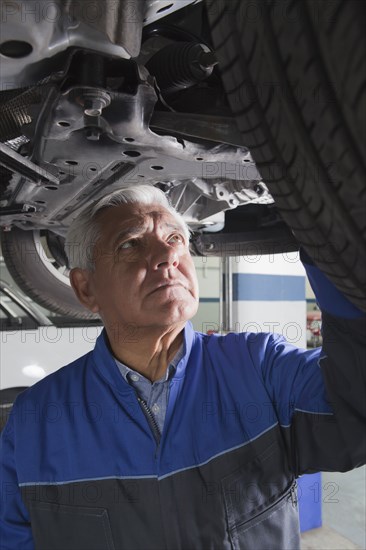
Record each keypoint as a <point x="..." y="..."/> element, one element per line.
<point x="131" y="243"/>
<point x="176" y="238"/>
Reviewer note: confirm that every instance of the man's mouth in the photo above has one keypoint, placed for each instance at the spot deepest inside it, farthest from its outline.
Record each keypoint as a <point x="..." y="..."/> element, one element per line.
<point x="167" y="285"/>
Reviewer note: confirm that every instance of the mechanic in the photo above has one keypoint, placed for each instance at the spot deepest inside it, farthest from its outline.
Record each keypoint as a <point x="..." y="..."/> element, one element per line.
<point x="146" y="442"/>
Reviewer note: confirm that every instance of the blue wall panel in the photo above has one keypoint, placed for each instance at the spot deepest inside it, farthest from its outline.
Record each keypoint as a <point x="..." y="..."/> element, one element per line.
<point x="254" y="286"/>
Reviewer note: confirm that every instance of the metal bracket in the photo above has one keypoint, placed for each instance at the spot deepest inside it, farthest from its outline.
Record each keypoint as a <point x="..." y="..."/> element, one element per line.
<point x="14" y="162"/>
<point x="211" y="128"/>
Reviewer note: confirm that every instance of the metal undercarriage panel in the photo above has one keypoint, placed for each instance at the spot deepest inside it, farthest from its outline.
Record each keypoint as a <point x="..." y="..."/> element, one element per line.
<point x="92" y="140"/>
<point x="36" y="33"/>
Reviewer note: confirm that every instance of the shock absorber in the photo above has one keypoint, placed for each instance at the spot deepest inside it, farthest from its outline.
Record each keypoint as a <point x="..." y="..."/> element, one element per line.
<point x="181" y="65"/>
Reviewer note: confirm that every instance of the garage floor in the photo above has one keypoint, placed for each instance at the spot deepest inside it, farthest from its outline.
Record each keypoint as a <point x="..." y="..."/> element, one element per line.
<point x="325" y="538"/>
<point x="344" y="518"/>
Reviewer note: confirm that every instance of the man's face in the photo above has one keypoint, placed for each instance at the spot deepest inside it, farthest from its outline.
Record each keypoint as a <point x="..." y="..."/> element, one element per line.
<point x="144" y="274"/>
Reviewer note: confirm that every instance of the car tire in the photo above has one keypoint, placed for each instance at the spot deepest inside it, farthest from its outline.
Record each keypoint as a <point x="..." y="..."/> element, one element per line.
<point x="294" y="74"/>
<point x="41" y="273"/>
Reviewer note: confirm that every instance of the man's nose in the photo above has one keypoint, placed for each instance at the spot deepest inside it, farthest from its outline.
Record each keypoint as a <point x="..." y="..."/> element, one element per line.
<point x="164" y="256"/>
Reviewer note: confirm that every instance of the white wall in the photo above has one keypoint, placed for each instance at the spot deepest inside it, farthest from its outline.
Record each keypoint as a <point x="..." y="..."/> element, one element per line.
<point x="270" y="295"/>
<point x="273" y="303"/>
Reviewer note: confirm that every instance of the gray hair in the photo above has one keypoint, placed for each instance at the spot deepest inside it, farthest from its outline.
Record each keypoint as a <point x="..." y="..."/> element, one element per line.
<point x="84" y="231"/>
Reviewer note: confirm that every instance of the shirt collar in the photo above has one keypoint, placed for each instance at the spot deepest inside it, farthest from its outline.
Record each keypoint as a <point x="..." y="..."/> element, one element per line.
<point x="106" y="366"/>
<point x="127" y="371"/>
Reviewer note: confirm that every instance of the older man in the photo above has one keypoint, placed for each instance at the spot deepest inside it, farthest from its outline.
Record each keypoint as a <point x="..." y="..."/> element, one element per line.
<point x="145" y="443"/>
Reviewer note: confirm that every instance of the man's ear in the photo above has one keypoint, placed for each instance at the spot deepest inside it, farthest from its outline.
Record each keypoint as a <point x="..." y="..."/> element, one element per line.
<point x="80" y="280"/>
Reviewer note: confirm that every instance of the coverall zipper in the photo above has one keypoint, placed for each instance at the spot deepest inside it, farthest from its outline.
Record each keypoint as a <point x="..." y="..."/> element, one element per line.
<point x="290" y="495"/>
<point x="151" y="420"/>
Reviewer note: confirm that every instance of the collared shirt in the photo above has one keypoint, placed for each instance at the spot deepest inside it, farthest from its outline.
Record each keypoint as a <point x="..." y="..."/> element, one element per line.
<point x="155" y="394"/>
